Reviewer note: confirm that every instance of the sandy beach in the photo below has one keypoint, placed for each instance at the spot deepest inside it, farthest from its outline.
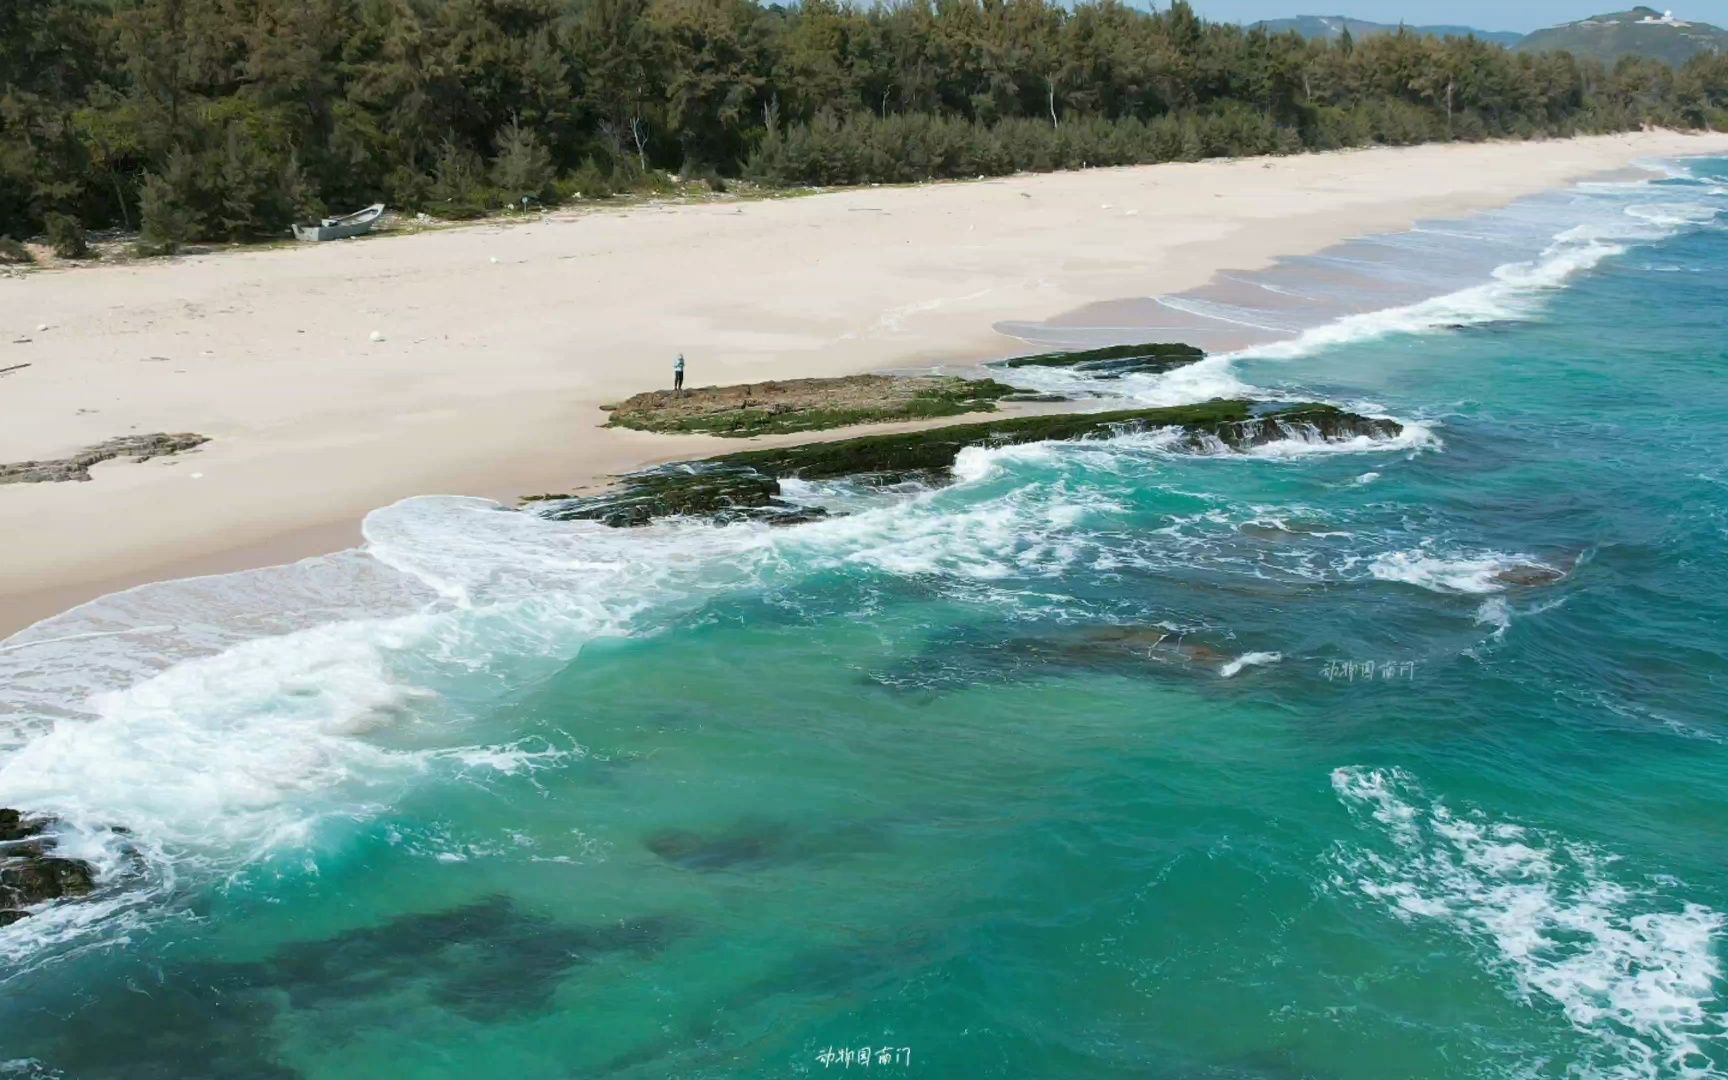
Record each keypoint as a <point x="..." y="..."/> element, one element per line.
<point x="499" y="342"/>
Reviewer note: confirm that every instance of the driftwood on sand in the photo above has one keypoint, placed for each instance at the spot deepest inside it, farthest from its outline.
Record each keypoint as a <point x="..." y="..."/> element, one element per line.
<point x="77" y="466"/>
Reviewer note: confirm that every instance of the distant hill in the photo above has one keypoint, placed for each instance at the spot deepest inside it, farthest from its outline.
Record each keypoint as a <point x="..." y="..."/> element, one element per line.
<point x="1331" y="27"/>
<point x="1640" y="32"/>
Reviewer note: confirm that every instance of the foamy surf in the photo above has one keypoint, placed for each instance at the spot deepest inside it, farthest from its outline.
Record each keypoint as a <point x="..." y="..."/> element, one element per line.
<point x="1457" y="573"/>
<point x="223" y="725"/>
<point x="1625" y="961"/>
<point x="1515" y="292"/>
<point x="1593" y="222"/>
<point x="1305" y="440"/>
<point x="222" y="721"/>
<point x="1247" y="660"/>
<point x="898" y="675"/>
<point x="1207" y="380"/>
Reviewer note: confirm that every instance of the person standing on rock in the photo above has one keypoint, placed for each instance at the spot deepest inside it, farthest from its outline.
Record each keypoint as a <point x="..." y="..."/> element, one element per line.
<point x="678" y="375"/>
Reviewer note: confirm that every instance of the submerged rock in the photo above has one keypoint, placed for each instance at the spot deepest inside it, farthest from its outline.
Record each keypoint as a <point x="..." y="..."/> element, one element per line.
<point x="991" y="656"/>
<point x="1114" y="644"/>
<point x="752" y="845"/>
<point x="484" y="960"/>
<point x="29" y="874"/>
<point x="77" y="467"/>
<point x="726" y="851"/>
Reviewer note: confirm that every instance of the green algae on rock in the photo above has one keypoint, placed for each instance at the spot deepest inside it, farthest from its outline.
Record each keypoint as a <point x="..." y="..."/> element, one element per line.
<point x="715" y="490"/>
<point x="1114" y="361"/>
<point x="746" y="485"/>
<point x="30" y="874"/>
<point x="791" y="405"/>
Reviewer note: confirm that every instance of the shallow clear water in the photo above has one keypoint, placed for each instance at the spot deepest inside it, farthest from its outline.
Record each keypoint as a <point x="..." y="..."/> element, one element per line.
<point x="506" y="797"/>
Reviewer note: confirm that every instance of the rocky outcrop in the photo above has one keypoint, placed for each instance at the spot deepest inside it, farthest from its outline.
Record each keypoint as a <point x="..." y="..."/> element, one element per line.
<point x="792" y="405"/>
<point x="720" y="492"/>
<point x="746" y="486"/>
<point x="77" y="467"/>
<point x="29" y="873"/>
<point x="1115" y="361"/>
<point x="1528" y="575"/>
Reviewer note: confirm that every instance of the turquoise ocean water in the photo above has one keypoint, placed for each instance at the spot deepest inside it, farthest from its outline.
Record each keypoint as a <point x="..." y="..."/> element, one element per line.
<point x="503" y="797"/>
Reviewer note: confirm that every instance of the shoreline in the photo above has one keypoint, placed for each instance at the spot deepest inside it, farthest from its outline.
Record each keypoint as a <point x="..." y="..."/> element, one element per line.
<point x="502" y="340"/>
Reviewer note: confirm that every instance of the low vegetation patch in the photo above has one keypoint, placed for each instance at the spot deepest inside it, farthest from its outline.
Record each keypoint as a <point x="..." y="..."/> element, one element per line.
<point x="13" y="253"/>
<point x="66" y="236"/>
<point x="775" y="408"/>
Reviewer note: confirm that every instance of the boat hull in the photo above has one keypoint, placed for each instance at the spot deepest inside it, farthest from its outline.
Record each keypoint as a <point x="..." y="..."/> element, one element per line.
<point x="342" y="228"/>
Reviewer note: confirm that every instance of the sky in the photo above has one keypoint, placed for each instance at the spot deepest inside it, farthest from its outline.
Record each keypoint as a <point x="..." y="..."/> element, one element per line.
<point x="1520" y="15"/>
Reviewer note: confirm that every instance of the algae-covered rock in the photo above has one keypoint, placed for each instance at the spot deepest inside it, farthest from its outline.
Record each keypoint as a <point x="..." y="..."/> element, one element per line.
<point x="716" y="490"/>
<point x="746" y="486"/>
<point x="792" y="405"/>
<point x="1231" y="424"/>
<point x="29" y="874"/>
<point x="15" y="826"/>
<point x="1008" y="653"/>
<point x="32" y="879"/>
<point x="1115" y="361"/>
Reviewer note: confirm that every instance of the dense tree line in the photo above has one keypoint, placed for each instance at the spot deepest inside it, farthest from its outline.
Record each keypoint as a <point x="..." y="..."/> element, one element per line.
<point x="229" y="118"/>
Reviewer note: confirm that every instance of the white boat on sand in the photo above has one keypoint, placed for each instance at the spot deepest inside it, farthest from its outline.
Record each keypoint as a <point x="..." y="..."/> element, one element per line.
<point x="341" y="228"/>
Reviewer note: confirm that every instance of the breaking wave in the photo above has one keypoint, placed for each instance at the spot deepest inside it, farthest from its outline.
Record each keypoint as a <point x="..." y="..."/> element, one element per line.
<point x="1623" y="960"/>
<point x="1451" y="573"/>
<point x="1594" y="222"/>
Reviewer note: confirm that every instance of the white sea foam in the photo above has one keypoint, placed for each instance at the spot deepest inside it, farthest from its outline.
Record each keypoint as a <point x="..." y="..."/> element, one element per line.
<point x="1626" y="962"/>
<point x="509" y="759"/>
<point x="1449" y="573"/>
<point x="207" y="750"/>
<point x="223" y="719"/>
<point x="1512" y="293"/>
<point x="1565" y="235"/>
<point x="1498" y="612"/>
<point x="1674" y="213"/>
<point x="968" y="532"/>
<point x="1248" y="660"/>
<point x="249" y="708"/>
<point x="1667" y="169"/>
<point x="1207" y="380"/>
<point x="1306" y="441"/>
<point x="1495" y="612"/>
<point x="1516" y="289"/>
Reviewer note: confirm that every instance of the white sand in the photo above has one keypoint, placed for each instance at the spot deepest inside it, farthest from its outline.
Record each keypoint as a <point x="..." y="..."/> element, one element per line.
<point x="500" y="341"/>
